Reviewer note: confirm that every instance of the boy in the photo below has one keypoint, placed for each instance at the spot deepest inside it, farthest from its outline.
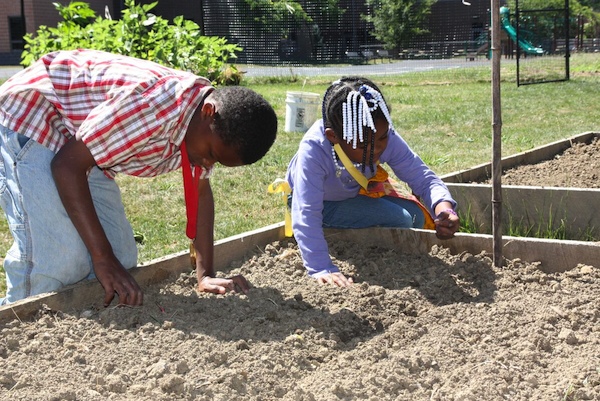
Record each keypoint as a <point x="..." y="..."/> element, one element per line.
<point x="74" y="119"/>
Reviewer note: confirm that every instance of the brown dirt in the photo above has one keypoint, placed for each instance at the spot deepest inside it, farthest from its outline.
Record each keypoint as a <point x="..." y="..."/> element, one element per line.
<point x="577" y="167"/>
<point x="433" y="327"/>
<point x="429" y="327"/>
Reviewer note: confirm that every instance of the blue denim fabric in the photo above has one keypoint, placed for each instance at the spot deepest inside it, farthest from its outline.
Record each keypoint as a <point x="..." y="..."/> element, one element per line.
<point x="363" y="211"/>
<point x="47" y="252"/>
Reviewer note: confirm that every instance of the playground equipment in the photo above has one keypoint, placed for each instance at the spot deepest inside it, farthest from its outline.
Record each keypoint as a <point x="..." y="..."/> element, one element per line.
<point x="482" y="46"/>
<point x="525" y="45"/>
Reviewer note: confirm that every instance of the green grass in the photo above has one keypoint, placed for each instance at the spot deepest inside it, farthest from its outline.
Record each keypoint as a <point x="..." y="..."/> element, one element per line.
<point x="444" y="115"/>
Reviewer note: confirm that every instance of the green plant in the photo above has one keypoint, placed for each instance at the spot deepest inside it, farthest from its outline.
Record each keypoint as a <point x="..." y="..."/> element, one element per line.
<point x="397" y="21"/>
<point x="548" y="230"/>
<point x="280" y="17"/>
<point x="467" y="222"/>
<point x="269" y="14"/>
<point x="590" y="234"/>
<point x="138" y="33"/>
<point x="278" y="79"/>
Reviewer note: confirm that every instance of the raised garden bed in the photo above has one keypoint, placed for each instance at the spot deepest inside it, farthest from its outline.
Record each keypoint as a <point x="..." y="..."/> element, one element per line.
<point x="426" y="320"/>
<point x="416" y="325"/>
<point x="549" y="191"/>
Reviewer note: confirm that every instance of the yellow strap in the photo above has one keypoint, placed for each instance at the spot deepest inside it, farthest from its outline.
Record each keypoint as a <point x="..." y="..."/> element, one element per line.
<point x="282" y="186"/>
<point x="364" y="182"/>
<point x="357" y="175"/>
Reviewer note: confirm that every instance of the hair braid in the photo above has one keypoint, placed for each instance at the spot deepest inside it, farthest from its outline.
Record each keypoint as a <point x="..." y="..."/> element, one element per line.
<point x="349" y="105"/>
<point x="372" y="153"/>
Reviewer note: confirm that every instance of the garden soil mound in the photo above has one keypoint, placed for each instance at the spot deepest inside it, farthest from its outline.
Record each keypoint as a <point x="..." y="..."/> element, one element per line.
<point x="577" y="167"/>
<point x="431" y="327"/>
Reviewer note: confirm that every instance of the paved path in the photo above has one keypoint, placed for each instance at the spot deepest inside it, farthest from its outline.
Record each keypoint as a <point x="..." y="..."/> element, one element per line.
<point x="9" y="71"/>
<point x="397" y="67"/>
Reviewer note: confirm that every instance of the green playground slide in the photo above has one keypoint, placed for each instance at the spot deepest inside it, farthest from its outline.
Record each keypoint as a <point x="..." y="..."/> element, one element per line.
<point x="525" y="45"/>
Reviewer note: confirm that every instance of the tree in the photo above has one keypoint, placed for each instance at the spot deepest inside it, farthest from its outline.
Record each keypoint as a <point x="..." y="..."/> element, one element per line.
<point x="593" y="4"/>
<point x="396" y="22"/>
<point x="290" y="22"/>
<point x="589" y="10"/>
<point x="279" y="16"/>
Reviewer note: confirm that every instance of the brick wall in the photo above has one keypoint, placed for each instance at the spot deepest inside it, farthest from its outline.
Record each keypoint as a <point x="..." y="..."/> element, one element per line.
<point x="10" y="8"/>
<point x="37" y="12"/>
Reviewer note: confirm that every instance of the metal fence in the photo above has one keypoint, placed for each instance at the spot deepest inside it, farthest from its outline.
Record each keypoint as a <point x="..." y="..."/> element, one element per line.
<point x="452" y="30"/>
<point x="456" y="33"/>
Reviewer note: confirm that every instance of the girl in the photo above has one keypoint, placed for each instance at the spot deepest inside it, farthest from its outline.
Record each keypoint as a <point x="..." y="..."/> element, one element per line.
<point x="337" y="181"/>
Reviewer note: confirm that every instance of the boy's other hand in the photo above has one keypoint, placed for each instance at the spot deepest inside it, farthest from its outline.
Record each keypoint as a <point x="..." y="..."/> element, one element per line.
<point x="116" y="280"/>
<point x="337" y="279"/>
<point x="222" y="285"/>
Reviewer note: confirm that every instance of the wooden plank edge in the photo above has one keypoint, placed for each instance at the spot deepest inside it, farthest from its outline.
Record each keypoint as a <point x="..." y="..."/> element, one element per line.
<point x="482" y="172"/>
<point x="553" y="255"/>
<point x="155" y="271"/>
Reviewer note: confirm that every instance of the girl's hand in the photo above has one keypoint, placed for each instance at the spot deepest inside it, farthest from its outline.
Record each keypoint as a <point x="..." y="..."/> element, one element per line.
<point x="337" y="279"/>
<point x="447" y="224"/>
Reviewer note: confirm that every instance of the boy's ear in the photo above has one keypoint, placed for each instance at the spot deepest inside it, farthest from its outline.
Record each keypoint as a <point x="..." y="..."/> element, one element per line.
<point x="330" y="134"/>
<point x="208" y="108"/>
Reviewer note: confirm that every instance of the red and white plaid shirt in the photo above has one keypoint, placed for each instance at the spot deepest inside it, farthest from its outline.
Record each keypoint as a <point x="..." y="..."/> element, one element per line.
<point x="132" y="114"/>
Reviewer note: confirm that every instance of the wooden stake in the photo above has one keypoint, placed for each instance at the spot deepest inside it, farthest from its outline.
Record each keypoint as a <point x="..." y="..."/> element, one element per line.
<point x="497" y="136"/>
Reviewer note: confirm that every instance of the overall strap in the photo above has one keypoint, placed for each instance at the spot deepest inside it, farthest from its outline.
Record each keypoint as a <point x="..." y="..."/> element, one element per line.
<point x="357" y="175"/>
<point x="388" y="186"/>
<point x="190" y="183"/>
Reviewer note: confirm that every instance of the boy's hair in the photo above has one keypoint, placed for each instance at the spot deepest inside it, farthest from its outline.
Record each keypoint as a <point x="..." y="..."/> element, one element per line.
<point x="245" y="121"/>
<point x="347" y="111"/>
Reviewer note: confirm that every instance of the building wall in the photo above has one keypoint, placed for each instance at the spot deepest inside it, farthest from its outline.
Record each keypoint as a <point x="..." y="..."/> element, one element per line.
<point x="37" y="12"/>
<point x="451" y="25"/>
<point x="453" y="21"/>
<point x="10" y="8"/>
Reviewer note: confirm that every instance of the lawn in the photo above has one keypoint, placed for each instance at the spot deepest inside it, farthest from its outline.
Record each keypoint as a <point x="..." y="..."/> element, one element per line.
<point x="444" y="115"/>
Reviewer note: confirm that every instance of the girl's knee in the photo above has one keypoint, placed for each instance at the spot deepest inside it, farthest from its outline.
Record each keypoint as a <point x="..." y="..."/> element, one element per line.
<point x="402" y="219"/>
<point x="419" y="219"/>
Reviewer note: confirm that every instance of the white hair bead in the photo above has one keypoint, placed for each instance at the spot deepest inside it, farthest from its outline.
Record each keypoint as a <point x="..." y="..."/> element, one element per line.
<point x="339" y="167"/>
<point x="357" y="113"/>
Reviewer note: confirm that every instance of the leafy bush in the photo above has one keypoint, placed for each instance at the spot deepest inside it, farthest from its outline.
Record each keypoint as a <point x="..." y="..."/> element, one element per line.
<point x="140" y="34"/>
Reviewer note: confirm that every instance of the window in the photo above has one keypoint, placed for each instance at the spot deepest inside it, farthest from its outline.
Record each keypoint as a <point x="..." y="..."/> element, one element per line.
<point x="16" y="28"/>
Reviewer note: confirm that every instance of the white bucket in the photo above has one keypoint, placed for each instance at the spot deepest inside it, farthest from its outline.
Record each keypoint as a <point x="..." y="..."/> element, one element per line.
<point x="300" y="110"/>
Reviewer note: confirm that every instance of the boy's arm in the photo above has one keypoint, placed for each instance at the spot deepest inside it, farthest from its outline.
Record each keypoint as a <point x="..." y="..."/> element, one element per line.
<point x="204" y="246"/>
<point x="69" y="169"/>
<point x="203" y="243"/>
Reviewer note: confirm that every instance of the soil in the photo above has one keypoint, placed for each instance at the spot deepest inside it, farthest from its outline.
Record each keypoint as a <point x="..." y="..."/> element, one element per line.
<point x="432" y="327"/>
<point x="576" y="167"/>
<point x="426" y="327"/>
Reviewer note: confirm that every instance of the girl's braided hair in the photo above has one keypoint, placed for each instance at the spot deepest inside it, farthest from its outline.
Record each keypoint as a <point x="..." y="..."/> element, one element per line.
<point x="352" y="104"/>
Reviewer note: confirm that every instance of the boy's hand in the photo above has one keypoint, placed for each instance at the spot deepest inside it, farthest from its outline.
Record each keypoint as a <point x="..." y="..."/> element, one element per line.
<point x="222" y="285"/>
<point x="337" y="279"/>
<point x="115" y="279"/>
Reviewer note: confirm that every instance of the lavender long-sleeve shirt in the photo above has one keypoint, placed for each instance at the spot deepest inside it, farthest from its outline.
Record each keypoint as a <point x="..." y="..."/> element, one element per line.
<point x="312" y="176"/>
